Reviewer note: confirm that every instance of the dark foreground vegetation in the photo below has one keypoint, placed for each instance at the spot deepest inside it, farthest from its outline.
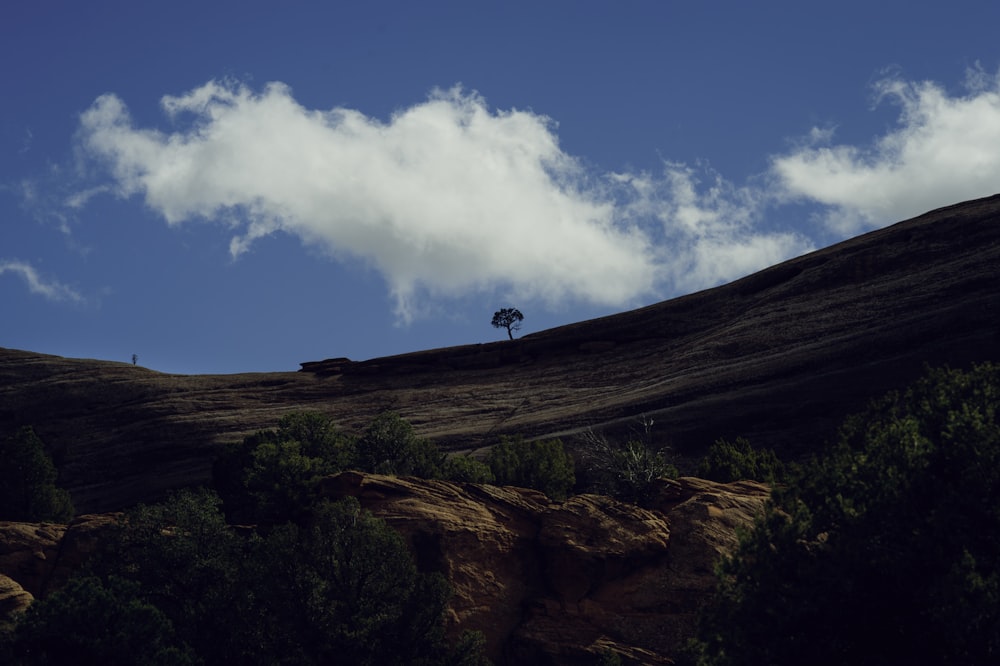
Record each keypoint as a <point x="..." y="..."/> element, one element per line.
<point x="28" y="490"/>
<point x="884" y="549"/>
<point x="311" y="582"/>
<point x="177" y="585"/>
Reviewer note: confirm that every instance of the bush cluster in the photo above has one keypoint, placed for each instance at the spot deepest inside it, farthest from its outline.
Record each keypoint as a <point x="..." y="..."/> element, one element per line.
<point x="311" y="582"/>
<point x="625" y="471"/>
<point x="882" y="551"/>
<point x="272" y="475"/>
<point x="540" y="464"/>
<point x="176" y="585"/>
<point x="728" y="461"/>
<point x="28" y="491"/>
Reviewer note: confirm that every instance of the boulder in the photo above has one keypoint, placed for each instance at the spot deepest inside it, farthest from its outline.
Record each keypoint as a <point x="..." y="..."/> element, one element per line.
<point x="13" y="600"/>
<point x="29" y="552"/>
<point x="41" y="557"/>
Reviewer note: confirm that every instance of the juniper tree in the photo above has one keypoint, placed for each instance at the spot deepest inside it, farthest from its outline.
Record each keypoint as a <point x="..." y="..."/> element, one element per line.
<point x="509" y="318"/>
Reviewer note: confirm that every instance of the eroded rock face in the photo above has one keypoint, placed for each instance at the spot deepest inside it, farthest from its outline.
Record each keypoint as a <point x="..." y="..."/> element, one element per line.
<point x="546" y="582"/>
<point x="29" y="553"/>
<point x="13" y="599"/>
<point x="559" y="583"/>
<point x="40" y="557"/>
<point x="482" y="538"/>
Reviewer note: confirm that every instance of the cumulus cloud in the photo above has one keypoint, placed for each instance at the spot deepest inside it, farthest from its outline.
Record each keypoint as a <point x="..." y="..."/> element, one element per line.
<point x="449" y="197"/>
<point x="944" y="149"/>
<point x="445" y="198"/>
<point x="37" y="284"/>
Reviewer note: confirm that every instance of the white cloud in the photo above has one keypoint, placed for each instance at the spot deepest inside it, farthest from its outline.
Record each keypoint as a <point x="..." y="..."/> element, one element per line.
<point x="945" y="149"/>
<point x="445" y="198"/>
<point x="50" y="289"/>
<point x="711" y="230"/>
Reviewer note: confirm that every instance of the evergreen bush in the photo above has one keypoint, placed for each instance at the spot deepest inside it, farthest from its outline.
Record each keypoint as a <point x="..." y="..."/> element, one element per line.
<point x="28" y="491"/>
<point x="540" y="464"/>
<point x="467" y="469"/>
<point x="883" y="551"/>
<point x="176" y="585"/>
<point x="728" y="461"/>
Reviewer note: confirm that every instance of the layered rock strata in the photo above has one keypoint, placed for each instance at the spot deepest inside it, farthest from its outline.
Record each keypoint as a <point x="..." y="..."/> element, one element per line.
<point x="562" y="582"/>
<point x="546" y="582"/>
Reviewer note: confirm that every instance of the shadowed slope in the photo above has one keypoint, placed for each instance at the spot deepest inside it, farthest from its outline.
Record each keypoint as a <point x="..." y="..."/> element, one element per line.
<point x="779" y="357"/>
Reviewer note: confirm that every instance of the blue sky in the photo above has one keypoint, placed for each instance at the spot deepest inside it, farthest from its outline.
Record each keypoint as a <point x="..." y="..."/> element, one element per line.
<point x="241" y="186"/>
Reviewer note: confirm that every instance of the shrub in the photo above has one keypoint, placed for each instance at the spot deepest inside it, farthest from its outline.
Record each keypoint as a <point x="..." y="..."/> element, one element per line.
<point x="884" y="550"/>
<point x="178" y="583"/>
<point x="97" y="621"/>
<point x="271" y="476"/>
<point x="540" y="464"/>
<point x="189" y="563"/>
<point x="27" y="481"/>
<point x="735" y="461"/>
<point x="636" y="466"/>
<point x="390" y="446"/>
<point x="467" y="469"/>
<point x="624" y="472"/>
<point x="354" y="595"/>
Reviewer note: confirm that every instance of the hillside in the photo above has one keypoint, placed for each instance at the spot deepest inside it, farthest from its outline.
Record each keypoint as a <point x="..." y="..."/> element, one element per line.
<point x="779" y="357"/>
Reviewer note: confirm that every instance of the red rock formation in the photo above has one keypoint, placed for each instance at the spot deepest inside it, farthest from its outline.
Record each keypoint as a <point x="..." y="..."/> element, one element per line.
<point x="40" y="557"/>
<point x="13" y="599"/>
<point x="546" y="582"/>
<point x="559" y="583"/>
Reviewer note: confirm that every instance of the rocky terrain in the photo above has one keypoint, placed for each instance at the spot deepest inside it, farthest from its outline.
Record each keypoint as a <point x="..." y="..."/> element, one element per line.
<point x="550" y="582"/>
<point x="778" y="357"/>
<point x="546" y="582"/>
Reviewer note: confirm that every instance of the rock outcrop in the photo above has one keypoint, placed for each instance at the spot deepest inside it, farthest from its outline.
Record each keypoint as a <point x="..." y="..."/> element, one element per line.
<point x="546" y="582"/>
<point x="14" y="599"/>
<point x="780" y="357"/>
<point x="561" y="582"/>
<point x="40" y="557"/>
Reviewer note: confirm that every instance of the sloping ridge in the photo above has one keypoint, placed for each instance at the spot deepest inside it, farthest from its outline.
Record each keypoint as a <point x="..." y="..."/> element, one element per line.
<point x="780" y="357"/>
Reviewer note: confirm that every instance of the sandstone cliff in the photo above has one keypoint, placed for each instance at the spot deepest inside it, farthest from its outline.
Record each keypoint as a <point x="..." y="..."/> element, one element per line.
<point x="546" y="582"/>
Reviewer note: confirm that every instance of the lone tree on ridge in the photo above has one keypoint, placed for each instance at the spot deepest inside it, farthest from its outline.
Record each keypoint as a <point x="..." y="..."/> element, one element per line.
<point x="509" y="318"/>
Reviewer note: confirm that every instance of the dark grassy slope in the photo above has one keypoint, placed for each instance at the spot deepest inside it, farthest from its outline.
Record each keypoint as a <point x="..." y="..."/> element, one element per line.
<point x="780" y="357"/>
